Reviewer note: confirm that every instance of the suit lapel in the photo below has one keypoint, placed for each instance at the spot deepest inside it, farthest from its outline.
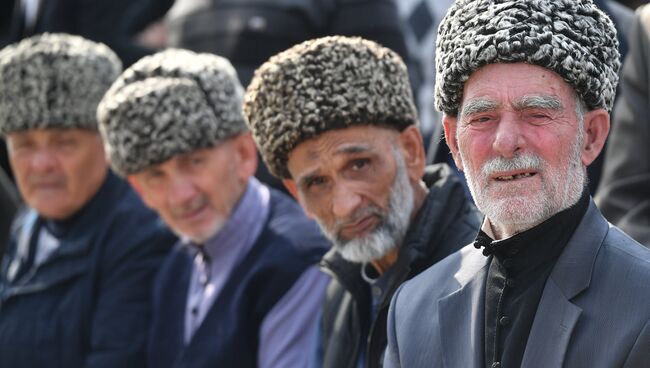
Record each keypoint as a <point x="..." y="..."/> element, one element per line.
<point x="551" y="331"/>
<point x="556" y="315"/>
<point x="461" y="315"/>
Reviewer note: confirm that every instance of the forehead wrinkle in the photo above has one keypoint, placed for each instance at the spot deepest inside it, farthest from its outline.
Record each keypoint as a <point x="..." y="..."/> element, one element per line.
<point x="547" y="102"/>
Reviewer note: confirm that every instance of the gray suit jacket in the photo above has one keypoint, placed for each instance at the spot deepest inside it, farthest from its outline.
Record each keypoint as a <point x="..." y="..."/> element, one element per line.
<point x="594" y="310"/>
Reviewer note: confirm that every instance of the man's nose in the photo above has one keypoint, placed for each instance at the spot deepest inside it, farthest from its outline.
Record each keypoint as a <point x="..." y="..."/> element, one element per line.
<point x="43" y="160"/>
<point x="345" y="201"/>
<point x="182" y="190"/>
<point x="508" y="138"/>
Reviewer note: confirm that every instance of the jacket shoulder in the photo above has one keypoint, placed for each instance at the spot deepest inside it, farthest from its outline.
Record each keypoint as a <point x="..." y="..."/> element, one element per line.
<point x="620" y="249"/>
<point x="287" y="224"/>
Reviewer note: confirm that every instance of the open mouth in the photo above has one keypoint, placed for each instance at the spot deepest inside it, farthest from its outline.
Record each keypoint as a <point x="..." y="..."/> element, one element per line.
<point x="515" y="176"/>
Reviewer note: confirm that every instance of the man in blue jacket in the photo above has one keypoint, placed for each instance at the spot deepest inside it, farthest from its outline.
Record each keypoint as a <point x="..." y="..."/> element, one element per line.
<point x="75" y="281"/>
<point x="243" y="288"/>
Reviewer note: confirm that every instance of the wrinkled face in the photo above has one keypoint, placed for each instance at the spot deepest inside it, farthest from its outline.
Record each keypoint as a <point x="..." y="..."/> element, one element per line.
<point x="57" y="170"/>
<point x="520" y="142"/>
<point x="195" y="192"/>
<point x="355" y="183"/>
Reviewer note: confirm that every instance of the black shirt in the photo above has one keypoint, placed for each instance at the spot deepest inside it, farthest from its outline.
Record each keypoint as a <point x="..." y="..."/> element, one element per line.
<point x="519" y="267"/>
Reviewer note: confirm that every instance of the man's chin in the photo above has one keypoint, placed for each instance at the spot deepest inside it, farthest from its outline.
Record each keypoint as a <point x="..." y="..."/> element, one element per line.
<point x="358" y="251"/>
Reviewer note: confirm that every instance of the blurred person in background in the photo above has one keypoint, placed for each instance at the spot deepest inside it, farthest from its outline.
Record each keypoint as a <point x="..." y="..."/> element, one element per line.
<point x="75" y="282"/>
<point x="624" y="193"/>
<point x="242" y="288"/>
<point x="335" y="119"/>
<point x="125" y="26"/>
<point x="9" y="203"/>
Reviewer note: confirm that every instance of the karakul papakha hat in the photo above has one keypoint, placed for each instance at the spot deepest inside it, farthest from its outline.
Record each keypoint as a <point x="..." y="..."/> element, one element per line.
<point x="54" y="81"/>
<point x="573" y="38"/>
<point x="167" y="104"/>
<point x="324" y="84"/>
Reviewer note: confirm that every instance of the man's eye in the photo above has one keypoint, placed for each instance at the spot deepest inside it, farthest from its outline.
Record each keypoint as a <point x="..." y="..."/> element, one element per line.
<point x="480" y="120"/>
<point x="360" y="164"/>
<point x="315" y="182"/>
<point x="538" y="118"/>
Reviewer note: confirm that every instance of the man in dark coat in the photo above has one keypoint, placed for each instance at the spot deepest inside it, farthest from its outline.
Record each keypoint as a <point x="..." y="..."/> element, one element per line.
<point x="75" y="282"/>
<point x="526" y="87"/>
<point x="243" y="288"/>
<point x="335" y="118"/>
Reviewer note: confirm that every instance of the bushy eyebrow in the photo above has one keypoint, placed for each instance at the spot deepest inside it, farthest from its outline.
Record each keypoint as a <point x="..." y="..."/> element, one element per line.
<point x="344" y="150"/>
<point x="352" y="149"/>
<point x="478" y="105"/>
<point x="545" y="102"/>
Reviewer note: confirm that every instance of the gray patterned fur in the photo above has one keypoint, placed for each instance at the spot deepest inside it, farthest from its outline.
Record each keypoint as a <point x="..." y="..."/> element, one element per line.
<point x="324" y="84"/>
<point x="54" y="81"/>
<point x="571" y="37"/>
<point x="167" y="104"/>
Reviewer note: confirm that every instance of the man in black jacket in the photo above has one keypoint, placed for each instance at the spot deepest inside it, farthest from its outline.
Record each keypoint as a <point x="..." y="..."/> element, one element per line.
<point x="335" y="118"/>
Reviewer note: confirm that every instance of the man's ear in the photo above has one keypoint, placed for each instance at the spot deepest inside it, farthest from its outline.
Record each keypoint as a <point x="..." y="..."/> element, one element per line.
<point x="137" y="186"/>
<point x="293" y="189"/>
<point x="595" y="133"/>
<point x="413" y="152"/>
<point x="246" y="155"/>
<point x="450" y="124"/>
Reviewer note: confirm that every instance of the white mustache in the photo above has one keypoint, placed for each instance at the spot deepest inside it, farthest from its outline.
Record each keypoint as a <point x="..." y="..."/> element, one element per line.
<point x="355" y="217"/>
<point x="519" y="162"/>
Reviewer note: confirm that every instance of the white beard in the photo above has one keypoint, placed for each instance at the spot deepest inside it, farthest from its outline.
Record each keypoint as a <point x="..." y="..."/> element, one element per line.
<point x="561" y="189"/>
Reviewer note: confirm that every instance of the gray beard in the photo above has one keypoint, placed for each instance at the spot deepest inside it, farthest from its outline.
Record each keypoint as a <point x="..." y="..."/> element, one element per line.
<point x="392" y="228"/>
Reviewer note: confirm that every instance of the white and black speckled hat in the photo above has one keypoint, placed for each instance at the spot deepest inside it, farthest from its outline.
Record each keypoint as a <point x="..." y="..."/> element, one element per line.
<point x="169" y="103"/>
<point x="54" y="81"/>
<point x="571" y="37"/>
<point x="325" y="84"/>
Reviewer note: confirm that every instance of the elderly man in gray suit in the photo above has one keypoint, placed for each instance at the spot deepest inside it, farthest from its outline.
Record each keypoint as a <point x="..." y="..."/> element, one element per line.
<point x="526" y="87"/>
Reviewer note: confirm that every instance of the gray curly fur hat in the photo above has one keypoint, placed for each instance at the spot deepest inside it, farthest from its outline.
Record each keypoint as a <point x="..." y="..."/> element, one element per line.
<point x="324" y="84"/>
<point x="169" y="103"/>
<point x="54" y="81"/>
<point x="570" y="37"/>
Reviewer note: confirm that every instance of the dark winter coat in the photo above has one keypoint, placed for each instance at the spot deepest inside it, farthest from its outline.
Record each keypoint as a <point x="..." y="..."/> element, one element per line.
<point x="88" y="305"/>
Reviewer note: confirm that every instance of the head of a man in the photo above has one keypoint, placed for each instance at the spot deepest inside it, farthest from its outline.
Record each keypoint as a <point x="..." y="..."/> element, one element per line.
<point x="172" y="125"/>
<point x="335" y="118"/>
<point x="51" y="85"/>
<point x="525" y="87"/>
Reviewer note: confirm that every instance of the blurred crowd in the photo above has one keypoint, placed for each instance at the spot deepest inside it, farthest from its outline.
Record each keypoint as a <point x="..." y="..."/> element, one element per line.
<point x="169" y="182"/>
